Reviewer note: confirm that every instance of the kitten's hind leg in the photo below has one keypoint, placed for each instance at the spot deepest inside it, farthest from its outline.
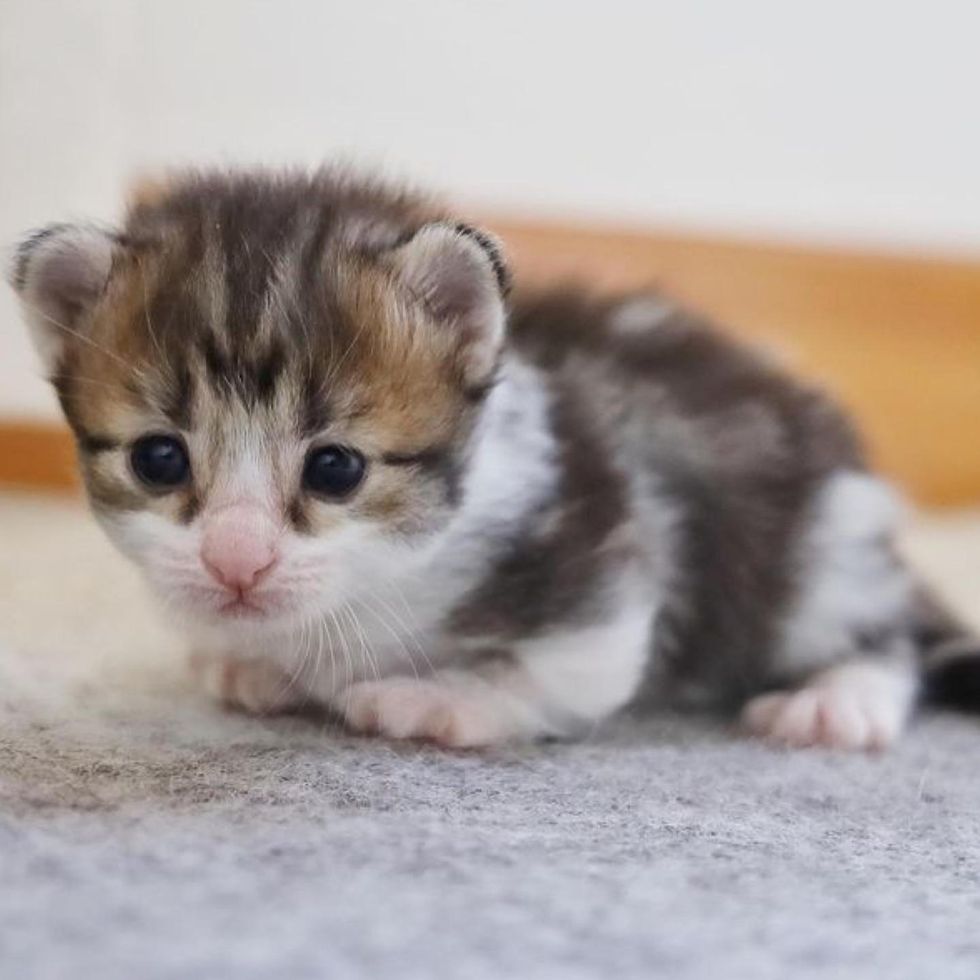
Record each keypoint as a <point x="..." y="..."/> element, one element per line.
<point x="860" y="704"/>
<point x="847" y="629"/>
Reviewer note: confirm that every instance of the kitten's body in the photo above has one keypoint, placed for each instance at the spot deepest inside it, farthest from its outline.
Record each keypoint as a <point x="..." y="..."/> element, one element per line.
<point x="609" y="500"/>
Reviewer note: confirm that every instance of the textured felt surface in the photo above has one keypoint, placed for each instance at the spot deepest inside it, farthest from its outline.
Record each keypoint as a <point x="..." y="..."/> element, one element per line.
<point x="145" y="833"/>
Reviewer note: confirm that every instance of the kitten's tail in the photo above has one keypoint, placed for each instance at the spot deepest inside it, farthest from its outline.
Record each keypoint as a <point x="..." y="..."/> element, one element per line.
<point x="950" y="656"/>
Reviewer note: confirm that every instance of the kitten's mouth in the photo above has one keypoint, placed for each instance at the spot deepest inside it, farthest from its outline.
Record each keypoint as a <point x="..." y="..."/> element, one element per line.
<point x="242" y="606"/>
<point x="264" y="606"/>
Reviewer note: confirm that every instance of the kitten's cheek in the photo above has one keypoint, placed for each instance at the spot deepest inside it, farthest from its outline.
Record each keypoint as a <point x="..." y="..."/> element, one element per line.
<point x="164" y="553"/>
<point x="126" y="536"/>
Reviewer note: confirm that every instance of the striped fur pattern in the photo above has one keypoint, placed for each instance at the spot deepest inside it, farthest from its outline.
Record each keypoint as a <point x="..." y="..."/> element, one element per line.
<point x="568" y="504"/>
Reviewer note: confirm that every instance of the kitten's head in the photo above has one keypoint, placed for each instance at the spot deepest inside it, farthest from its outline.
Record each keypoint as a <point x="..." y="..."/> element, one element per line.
<point x="273" y="381"/>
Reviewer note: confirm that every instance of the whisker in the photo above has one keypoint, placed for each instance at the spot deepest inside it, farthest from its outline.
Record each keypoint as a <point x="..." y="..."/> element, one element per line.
<point x="365" y="648"/>
<point x="411" y="628"/>
<point x="146" y="313"/>
<point x="333" y="662"/>
<point x="80" y="336"/>
<point x="348" y="660"/>
<point x="395" y="635"/>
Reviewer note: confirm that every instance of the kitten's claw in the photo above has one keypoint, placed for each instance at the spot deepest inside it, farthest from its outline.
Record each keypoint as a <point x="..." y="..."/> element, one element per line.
<point x="434" y="710"/>
<point x="255" y="686"/>
<point x="833" y="716"/>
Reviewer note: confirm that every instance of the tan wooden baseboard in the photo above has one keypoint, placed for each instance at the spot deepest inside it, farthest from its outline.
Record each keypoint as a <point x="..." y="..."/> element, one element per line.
<point x="897" y="338"/>
<point x="35" y="455"/>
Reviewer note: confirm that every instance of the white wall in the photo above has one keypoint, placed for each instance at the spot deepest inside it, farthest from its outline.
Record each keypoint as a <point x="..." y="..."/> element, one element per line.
<point x="839" y="121"/>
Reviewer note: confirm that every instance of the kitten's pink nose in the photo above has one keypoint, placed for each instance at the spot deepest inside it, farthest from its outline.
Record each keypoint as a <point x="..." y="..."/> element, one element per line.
<point x="239" y="546"/>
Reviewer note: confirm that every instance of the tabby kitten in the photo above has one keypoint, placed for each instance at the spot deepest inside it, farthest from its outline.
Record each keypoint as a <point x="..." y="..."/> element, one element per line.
<point x="305" y="407"/>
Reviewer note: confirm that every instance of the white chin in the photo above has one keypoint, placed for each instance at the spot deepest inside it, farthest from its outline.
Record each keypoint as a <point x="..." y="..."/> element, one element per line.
<point x="246" y="622"/>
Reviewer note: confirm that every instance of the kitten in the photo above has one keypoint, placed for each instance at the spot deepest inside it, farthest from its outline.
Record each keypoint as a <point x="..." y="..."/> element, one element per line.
<point x="305" y="407"/>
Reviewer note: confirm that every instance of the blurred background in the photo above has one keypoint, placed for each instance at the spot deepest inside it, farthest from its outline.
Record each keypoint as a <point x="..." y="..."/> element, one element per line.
<point x="809" y="174"/>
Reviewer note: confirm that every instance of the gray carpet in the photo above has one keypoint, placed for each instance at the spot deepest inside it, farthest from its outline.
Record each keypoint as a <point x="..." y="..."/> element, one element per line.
<point x="145" y="833"/>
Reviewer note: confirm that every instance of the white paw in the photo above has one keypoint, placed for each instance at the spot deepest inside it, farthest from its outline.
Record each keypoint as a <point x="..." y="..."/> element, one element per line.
<point x="433" y="709"/>
<point x="255" y="686"/>
<point x="833" y="714"/>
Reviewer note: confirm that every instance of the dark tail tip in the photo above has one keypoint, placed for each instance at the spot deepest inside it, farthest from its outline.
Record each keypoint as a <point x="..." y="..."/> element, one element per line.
<point x="952" y="675"/>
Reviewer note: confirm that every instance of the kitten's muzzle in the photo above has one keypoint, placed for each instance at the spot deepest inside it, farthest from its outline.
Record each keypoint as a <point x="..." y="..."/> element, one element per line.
<point x="239" y="547"/>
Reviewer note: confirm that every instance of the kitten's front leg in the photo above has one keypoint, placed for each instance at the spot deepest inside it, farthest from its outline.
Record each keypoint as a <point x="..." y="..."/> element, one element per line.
<point x="258" y="686"/>
<point x="555" y="685"/>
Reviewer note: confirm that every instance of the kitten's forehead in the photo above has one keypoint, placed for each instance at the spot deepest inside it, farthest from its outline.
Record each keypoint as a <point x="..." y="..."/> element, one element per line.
<point x="264" y="293"/>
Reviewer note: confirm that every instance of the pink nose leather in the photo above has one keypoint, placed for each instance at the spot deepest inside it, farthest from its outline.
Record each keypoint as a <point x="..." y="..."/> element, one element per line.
<point x="239" y="546"/>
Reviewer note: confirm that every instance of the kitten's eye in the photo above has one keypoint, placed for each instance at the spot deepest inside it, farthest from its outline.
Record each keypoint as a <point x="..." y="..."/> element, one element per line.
<point x="160" y="462"/>
<point x="333" y="471"/>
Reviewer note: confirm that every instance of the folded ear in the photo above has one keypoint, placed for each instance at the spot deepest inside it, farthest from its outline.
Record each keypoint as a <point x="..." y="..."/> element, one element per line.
<point x="59" y="272"/>
<point x="459" y="274"/>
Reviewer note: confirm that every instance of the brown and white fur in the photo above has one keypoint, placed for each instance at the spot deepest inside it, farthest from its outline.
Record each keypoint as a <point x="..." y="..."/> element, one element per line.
<point x="568" y="502"/>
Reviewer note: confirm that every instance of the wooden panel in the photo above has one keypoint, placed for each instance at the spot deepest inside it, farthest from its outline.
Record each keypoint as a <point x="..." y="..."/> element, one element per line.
<point x="898" y="339"/>
<point x="36" y="455"/>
